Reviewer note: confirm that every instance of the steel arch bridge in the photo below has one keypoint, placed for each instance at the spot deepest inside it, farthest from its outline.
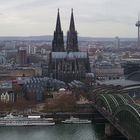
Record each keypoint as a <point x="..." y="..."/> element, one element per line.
<point x="122" y="112"/>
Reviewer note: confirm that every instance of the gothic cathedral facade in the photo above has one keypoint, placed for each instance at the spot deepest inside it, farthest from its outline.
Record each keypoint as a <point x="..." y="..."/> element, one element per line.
<point x="67" y="63"/>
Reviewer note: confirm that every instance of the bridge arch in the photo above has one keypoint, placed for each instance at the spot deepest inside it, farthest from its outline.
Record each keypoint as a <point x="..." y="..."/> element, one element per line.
<point x="128" y="98"/>
<point x="128" y="116"/>
<point x="110" y="102"/>
<point x="120" y="99"/>
<point x="114" y="100"/>
<point x="102" y="102"/>
<point x="107" y="102"/>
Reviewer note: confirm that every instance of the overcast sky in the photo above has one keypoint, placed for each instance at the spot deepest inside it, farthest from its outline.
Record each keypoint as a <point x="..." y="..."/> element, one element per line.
<point x="95" y="18"/>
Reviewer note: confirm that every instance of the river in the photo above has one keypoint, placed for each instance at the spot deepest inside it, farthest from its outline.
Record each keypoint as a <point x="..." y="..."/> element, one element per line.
<point x="57" y="132"/>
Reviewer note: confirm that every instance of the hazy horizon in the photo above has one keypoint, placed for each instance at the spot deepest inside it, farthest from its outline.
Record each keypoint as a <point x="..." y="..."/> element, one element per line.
<point x="65" y="36"/>
<point x="93" y="18"/>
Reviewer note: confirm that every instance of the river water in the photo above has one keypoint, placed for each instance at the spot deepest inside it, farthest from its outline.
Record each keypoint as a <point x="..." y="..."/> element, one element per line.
<point x="57" y="132"/>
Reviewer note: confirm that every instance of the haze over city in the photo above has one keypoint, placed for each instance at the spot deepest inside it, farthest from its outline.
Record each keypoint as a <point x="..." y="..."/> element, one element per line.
<point x="94" y="18"/>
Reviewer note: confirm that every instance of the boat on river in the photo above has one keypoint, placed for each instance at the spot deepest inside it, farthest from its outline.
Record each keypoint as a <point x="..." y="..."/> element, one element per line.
<point x="11" y="120"/>
<point x="73" y="120"/>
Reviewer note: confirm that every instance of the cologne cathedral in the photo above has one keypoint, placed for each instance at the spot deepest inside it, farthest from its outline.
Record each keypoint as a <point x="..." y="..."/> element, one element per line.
<point x="67" y="63"/>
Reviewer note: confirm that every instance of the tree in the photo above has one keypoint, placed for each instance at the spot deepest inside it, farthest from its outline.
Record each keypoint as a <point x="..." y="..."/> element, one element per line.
<point x="17" y="88"/>
<point x="2" y="106"/>
<point x="21" y="105"/>
<point x="31" y="100"/>
<point x="6" y="106"/>
<point x="50" y="107"/>
<point x="64" y="103"/>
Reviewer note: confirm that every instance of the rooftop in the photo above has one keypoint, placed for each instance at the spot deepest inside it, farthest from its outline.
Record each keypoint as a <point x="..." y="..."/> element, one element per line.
<point x="120" y="82"/>
<point x="69" y="55"/>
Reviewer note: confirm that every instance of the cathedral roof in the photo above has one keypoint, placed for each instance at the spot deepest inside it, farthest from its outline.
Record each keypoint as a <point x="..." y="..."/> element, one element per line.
<point x="71" y="55"/>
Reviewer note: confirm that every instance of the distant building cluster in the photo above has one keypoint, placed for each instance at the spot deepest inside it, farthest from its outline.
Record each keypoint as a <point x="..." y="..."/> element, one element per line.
<point x="7" y="96"/>
<point x="13" y="73"/>
<point x="6" y="92"/>
<point x="108" y="71"/>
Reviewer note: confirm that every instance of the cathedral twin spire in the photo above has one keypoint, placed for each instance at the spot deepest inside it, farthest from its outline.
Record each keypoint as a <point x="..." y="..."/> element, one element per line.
<point x="58" y="23"/>
<point x="72" y="41"/>
<point x="58" y="41"/>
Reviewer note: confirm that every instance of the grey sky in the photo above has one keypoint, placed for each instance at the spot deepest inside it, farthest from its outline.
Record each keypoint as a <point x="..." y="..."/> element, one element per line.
<point x="97" y="18"/>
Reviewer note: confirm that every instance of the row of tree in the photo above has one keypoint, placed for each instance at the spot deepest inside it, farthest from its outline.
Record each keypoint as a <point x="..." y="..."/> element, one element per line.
<point x="21" y="105"/>
<point x="64" y="103"/>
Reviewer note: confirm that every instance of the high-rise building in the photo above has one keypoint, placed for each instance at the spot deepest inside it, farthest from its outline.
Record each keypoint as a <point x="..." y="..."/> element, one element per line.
<point x="72" y="41"/>
<point x="22" y="57"/>
<point x="29" y="49"/>
<point x="58" y="41"/>
<point x="117" y="42"/>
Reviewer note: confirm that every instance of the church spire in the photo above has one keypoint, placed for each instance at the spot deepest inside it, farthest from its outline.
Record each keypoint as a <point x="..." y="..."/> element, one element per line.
<point x="72" y="24"/>
<point x="58" y="23"/>
<point x="58" y="41"/>
<point x="72" y="41"/>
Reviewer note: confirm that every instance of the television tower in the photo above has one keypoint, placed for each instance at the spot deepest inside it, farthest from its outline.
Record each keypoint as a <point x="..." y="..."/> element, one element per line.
<point x="138" y="25"/>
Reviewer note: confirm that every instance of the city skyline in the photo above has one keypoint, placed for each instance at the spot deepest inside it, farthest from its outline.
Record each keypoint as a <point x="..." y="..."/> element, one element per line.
<point x="96" y="18"/>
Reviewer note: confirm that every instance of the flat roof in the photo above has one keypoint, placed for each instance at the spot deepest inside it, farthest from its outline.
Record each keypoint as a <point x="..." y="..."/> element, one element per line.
<point x="120" y="82"/>
<point x="71" y="55"/>
<point x="131" y="88"/>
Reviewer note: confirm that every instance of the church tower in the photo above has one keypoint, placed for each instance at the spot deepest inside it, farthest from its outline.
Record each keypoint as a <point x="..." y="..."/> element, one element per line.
<point x="72" y="41"/>
<point x="58" y="41"/>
